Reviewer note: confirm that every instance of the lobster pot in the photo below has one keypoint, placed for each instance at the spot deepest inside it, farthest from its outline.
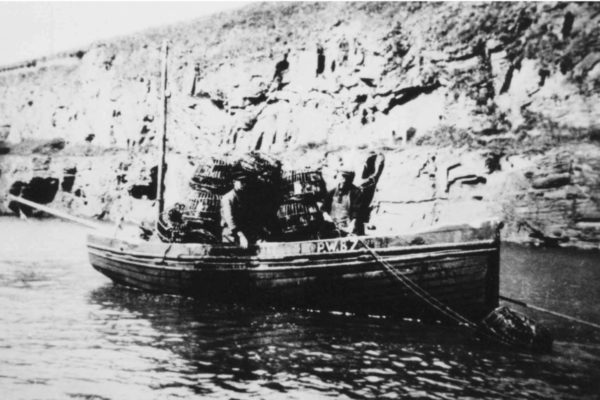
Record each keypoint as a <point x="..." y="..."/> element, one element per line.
<point x="184" y="233"/>
<point x="265" y="167"/>
<point x="518" y="329"/>
<point x="178" y="226"/>
<point x="299" y="219"/>
<point x="303" y="185"/>
<point x="203" y="205"/>
<point x="214" y="176"/>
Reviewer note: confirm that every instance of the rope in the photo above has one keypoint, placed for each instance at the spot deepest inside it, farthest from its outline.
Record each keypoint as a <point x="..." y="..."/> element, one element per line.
<point x="557" y="314"/>
<point x="435" y="303"/>
<point x="418" y="291"/>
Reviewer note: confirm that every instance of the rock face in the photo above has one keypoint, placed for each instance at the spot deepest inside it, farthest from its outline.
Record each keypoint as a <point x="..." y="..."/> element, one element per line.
<point x="481" y="110"/>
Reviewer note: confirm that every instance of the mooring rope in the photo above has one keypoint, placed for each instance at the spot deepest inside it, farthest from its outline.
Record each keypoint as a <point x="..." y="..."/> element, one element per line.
<point x="557" y="314"/>
<point x="435" y="303"/>
<point x="417" y="290"/>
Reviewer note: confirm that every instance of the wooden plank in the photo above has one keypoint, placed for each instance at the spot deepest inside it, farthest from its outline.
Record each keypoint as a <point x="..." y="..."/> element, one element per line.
<point x="202" y="264"/>
<point x="177" y="281"/>
<point x="173" y="252"/>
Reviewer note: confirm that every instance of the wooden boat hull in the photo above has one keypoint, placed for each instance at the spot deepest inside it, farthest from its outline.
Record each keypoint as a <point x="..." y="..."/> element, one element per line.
<point x="458" y="265"/>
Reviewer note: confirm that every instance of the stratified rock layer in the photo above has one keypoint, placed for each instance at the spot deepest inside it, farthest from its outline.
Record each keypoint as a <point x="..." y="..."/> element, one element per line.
<point x="481" y="109"/>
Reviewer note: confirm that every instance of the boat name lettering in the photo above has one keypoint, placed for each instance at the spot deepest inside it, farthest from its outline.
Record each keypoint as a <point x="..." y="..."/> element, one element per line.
<point x="337" y="245"/>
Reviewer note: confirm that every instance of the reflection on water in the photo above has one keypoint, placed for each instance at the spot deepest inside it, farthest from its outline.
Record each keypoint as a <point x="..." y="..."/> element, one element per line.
<point x="67" y="332"/>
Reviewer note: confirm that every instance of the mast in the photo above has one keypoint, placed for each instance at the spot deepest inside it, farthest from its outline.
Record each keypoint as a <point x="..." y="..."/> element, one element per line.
<point x="160" y="188"/>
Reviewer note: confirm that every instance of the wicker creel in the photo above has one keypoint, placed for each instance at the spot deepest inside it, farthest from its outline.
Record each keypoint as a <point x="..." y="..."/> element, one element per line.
<point x="214" y="175"/>
<point x="176" y="225"/>
<point x="259" y="164"/>
<point x="203" y="204"/>
<point x="304" y="184"/>
<point x="299" y="217"/>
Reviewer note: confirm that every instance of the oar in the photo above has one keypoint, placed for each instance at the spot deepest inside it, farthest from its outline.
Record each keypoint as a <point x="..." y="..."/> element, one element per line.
<point x="56" y="213"/>
<point x="557" y="314"/>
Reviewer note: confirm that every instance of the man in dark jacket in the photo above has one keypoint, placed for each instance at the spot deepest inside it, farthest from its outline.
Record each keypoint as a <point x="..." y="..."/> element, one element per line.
<point x="343" y="203"/>
<point x="234" y="212"/>
<point x="246" y="215"/>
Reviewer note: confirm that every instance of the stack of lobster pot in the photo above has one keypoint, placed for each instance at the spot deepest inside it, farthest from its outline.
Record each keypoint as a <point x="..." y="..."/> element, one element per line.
<point x="214" y="176"/>
<point x="299" y="216"/>
<point x="268" y="189"/>
<point x="198" y="220"/>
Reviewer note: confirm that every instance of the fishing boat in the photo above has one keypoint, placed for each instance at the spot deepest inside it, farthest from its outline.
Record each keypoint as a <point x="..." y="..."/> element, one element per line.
<point x="452" y="269"/>
<point x="457" y="265"/>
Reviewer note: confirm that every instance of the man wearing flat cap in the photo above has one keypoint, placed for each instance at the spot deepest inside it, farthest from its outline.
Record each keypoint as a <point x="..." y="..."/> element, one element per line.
<point x="246" y="216"/>
<point x="234" y="211"/>
<point x="343" y="203"/>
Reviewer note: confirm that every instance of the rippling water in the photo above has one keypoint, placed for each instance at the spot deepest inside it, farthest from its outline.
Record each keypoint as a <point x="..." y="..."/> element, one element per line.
<point x="67" y="332"/>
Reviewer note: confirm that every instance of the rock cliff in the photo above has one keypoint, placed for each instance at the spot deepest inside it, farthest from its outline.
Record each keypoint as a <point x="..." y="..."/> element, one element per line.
<point x="481" y="110"/>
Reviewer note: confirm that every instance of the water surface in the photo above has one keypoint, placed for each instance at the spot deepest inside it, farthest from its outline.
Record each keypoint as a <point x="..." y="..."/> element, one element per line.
<point x="68" y="332"/>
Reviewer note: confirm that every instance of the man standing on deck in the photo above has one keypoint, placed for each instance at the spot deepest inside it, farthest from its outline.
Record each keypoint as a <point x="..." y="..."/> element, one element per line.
<point x="343" y="203"/>
<point x="235" y="212"/>
<point x="248" y="211"/>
